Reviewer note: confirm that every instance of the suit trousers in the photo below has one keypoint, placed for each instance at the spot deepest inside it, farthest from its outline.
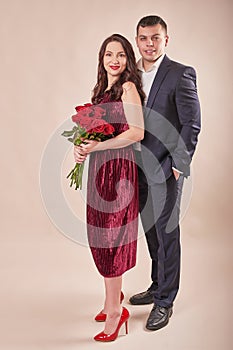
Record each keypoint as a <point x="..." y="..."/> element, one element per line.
<point x="160" y="211"/>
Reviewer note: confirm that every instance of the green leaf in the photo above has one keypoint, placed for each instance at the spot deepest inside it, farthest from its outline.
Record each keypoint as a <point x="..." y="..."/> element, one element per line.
<point x="68" y="133"/>
<point x="77" y="142"/>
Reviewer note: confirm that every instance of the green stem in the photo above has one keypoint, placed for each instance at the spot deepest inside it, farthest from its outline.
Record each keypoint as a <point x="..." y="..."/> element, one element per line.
<point x="76" y="175"/>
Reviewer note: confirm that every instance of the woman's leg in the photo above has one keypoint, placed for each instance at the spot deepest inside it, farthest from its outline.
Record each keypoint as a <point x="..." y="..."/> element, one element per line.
<point x="112" y="305"/>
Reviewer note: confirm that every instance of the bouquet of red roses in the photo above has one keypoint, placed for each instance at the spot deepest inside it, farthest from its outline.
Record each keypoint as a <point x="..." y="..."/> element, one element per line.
<point x="91" y="126"/>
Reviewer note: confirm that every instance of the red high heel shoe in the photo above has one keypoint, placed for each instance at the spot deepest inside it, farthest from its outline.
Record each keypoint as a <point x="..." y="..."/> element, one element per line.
<point x="111" y="337"/>
<point x="101" y="317"/>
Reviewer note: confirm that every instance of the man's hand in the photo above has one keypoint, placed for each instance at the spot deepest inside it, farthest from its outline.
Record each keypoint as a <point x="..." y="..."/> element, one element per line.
<point x="176" y="174"/>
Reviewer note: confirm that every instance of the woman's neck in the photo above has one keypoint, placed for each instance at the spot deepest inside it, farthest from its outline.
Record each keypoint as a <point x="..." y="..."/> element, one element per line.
<point x="111" y="81"/>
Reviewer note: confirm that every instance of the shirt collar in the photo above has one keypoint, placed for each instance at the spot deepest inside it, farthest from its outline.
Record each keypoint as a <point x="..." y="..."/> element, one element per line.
<point x="155" y="65"/>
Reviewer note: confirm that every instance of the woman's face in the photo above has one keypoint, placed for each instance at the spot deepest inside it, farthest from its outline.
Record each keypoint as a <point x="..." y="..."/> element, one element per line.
<point x="114" y="60"/>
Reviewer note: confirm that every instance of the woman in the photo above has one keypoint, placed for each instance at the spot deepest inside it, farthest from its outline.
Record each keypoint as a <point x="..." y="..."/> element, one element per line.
<point x="112" y="189"/>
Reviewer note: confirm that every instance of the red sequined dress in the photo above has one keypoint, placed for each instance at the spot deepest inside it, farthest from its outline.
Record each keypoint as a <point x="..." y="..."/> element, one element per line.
<point x="112" y="201"/>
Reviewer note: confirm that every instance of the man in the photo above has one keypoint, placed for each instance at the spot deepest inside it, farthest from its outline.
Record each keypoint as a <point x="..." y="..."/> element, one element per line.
<point x="172" y="125"/>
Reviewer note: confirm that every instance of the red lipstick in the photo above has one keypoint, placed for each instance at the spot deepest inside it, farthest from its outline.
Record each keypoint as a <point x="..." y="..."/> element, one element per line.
<point x="114" y="67"/>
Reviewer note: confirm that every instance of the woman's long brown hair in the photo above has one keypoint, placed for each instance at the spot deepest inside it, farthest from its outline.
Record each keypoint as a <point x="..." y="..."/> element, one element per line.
<point x="129" y="74"/>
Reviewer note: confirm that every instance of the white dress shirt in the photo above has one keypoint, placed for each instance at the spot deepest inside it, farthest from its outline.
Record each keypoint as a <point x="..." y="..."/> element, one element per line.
<point x="148" y="76"/>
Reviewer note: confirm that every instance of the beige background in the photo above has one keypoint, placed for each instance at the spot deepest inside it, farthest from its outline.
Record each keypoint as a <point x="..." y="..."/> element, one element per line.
<point x="50" y="289"/>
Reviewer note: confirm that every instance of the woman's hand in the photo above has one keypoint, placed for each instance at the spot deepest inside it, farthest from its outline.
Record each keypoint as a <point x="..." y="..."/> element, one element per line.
<point x="79" y="155"/>
<point x="88" y="147"/>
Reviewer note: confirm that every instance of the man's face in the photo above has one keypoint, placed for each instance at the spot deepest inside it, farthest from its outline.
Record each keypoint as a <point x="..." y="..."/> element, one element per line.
<point x="151" y="42"/>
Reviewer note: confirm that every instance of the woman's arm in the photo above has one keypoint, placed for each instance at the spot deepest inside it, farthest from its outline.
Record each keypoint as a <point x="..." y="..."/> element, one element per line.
<point x="134" y="116"/>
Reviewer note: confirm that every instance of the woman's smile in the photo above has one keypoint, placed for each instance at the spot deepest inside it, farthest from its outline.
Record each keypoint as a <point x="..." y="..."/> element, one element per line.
<point x="114" y="67"/>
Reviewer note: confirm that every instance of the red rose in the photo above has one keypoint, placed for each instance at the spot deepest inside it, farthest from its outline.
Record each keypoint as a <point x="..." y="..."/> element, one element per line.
<point x="98" y="112"/>
<point x="86" y="112"/>
<point x="82" y="119"/>
<point x="97" y="125"/>
<point x="79" y="108"/>
<point x="85" y="122"/>
<point x="86" y="105"/>
<point x="75" y="118"/>
<point x="108" y="129"/>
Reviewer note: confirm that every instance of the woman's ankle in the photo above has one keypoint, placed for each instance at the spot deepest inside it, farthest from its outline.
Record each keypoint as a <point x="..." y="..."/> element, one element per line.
<point x="114" y="313"/>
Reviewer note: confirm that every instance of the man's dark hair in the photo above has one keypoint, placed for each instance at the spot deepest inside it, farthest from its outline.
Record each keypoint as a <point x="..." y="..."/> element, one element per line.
<point x="151" y="21"/>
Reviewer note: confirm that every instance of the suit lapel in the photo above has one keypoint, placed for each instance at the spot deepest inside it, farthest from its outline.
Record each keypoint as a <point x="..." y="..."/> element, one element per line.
<point x="161" y="74"/>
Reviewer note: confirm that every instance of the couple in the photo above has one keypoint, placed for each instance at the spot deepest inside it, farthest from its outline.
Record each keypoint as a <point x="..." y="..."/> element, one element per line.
<point x="127" y="176"/>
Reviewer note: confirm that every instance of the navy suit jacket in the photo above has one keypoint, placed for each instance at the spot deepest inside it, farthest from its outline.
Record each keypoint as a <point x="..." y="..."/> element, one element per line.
<point x="172" y="121"/>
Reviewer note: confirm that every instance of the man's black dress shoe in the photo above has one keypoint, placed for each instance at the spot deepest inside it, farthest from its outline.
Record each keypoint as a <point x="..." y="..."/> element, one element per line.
<point x="143" y="298"/>
<point x="158" y="318"/>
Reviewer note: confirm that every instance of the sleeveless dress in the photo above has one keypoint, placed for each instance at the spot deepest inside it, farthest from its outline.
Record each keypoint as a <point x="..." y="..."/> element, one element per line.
<point x="112" y="201"/>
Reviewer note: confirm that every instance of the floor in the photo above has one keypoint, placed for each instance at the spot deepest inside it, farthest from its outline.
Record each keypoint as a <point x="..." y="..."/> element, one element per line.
<point x="50" y="292"/>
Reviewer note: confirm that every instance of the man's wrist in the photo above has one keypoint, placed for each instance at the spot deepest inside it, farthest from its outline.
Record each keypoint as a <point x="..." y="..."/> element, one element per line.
<point x="178" y="171"/>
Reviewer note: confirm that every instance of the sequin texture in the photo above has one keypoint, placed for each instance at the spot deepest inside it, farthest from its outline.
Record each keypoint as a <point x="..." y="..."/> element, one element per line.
<point x="112" y="201"/>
